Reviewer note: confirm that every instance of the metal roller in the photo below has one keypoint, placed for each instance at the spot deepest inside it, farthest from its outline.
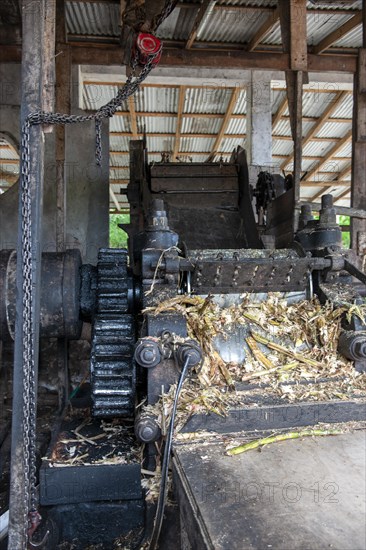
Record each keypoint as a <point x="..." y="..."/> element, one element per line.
<point x="60" y="294"/>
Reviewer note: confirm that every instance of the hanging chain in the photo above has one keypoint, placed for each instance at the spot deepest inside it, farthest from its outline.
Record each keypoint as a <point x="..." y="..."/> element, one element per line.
<point x="30" y="496"/>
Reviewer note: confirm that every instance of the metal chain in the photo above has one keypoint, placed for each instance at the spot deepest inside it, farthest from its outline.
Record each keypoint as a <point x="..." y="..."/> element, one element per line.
<point x="30" y="496"/>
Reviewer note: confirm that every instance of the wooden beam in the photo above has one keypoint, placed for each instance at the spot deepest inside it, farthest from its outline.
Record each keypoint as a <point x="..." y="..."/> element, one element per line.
<point x="63" y="105"/>
<point x="342" y="195"/>
<point x="358" y="195"/>
<point x="339" y="33"/>
<point x="263" y="30"/>
<point x="100" y="54"/>
<point x="114" y="198"/>
<point x="203" y="11"/>
<point x="181" y="99"/>
<point x="334" y="150"/>
<point x="225" y="122"/>
<point x="281" y="109"/>
<point x="321" y="120"/>
<point x="335" y="183"/>
<point x="133" y="120"/>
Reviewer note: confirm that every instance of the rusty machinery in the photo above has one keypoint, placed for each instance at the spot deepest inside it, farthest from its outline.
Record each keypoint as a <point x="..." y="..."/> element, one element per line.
<point x="192" y="230"/>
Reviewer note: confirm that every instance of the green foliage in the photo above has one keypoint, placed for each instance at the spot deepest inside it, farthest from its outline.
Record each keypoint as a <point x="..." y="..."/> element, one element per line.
<point x="346" y="235"/>
<point x="117" y="237"/>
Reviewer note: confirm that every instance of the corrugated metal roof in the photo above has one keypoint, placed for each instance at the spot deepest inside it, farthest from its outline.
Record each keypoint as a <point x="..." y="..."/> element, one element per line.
<point x="229" y="144"/>
<point x="281" y="147"/>
<point x="277" y="97"/>
<point x="154" y="100"/>
<point x="320" y="25"/>
<point x="237" y="126"/>
<point x="314" y="104"/>
<point x="119" y="124"/>
<point x="344" y="110"/>
<point x="160" y="144"/>
<point x="346" y="151"/>
<point x="119" y="173"/>
<point x="97" y="95"/>
<point x="156" y="124"/>
<point x="196" y="144"/>
<point x="118" y="160"/>
<point x="352" y="39"/>
<point x="241" y="103"/>
<point x="207" y="100"/>
<point x="168" y="27"/>
<point x="201" y="125"/>
<point x="93" y="18"/>
<point x="332" y="129"/>
<point x="231" y="26"/>
<point x="119" y="143"/>
<point x="316" y="148"/>
<point x="7" y="153"/>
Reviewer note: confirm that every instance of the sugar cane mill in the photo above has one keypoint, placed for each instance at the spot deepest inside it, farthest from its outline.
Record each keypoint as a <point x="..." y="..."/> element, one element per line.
<point x="204" y="384"/>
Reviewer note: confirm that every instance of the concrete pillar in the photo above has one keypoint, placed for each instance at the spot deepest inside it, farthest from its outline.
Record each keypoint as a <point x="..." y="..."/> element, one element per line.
<point x="87" y="203"/>
<point x="259" y="122"/>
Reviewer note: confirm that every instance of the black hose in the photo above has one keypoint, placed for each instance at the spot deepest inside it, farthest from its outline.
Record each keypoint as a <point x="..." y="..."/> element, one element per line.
<point x="165" y="466"/>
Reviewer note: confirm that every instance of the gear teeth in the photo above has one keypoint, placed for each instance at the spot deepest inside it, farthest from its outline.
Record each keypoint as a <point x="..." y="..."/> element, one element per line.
<point x="113" y="376"/>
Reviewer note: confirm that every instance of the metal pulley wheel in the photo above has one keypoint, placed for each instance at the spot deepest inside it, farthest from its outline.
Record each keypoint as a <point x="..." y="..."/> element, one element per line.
<point x="60" y="294"/>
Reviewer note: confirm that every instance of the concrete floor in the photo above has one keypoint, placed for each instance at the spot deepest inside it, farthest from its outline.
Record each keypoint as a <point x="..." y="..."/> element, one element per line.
<point x="298" y="494"/>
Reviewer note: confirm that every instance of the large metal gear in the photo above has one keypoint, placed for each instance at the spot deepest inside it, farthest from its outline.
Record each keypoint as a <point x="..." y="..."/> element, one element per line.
<point x="112" y="368"/>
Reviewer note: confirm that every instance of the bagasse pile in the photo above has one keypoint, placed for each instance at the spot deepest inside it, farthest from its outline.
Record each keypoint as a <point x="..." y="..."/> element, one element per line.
<point x="285" y="344"/>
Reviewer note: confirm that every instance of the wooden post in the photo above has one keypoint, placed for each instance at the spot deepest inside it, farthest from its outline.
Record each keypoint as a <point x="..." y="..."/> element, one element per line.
<point x="294" y="39"/>
<point x="358" y="184"/>
<point x="34" y="24"/>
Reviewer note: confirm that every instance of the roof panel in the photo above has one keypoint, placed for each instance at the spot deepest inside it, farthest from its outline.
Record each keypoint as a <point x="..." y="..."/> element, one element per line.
<point x="237" y="126"/>
<point x="156" y="124"/>
<point x="207" y="100"/>
<point x="92" y="18"/>
<point x="196" y="144"/>
<point x="229" y="144"/>
<point x="97" y="95"/>
<point x="277" y="97"/>
<point x="200" y="125"/>
<point x="241" y="103"/>
<point x="345" y="109"/>
<point x="352" y="39"/>
<point x="154" y="99"/>
<point x="160" y="144"/>
<point x="119" y="143"/>
<point x="119" y="124"/>
<point x="281" y="147"/>
<point x="314" y="104"/>
<point x="317" y="149"/>
<point x="237" y="26"/>
<point x="333" y="129"/>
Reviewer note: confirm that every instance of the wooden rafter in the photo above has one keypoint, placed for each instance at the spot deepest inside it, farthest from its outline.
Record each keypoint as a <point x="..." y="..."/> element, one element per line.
<point x="133" y="120"/>
<point x="114" y="198"/>
<point x="281" y="109"/>
<point x="181" y="99"/>
<point x="342" y="195"/>
<point x="226" y="120"/>
<point x="263" y="30"/>
<point x="334" y="150"/>
<point x="317" y="126"/>
<point x="339" y="33"/>
<point x="204" y="10"/>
